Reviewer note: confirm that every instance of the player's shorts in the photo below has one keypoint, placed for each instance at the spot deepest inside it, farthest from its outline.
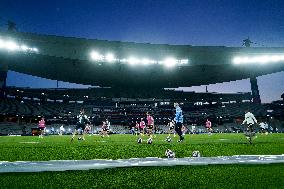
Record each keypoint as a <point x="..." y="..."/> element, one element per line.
<point x="250" y="126"/>
<point x="150" y="127"/>
<point x="81" y="126"/>
<point x="105" y="129"/>
<point x="172" y="128"/>
<point x="178" y="126"/>
<point x="249" y="134"/>
<point x="141" y="128"/>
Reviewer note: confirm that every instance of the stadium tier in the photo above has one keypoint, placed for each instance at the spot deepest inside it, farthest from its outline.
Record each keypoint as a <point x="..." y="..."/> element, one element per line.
<point x="25" y="106"/>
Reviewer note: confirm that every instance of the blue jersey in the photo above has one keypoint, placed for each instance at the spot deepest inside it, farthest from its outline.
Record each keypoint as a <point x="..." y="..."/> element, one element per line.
<point x="179" y="116"/>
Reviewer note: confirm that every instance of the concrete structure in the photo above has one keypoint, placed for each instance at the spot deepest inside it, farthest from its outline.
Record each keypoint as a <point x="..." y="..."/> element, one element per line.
<point x="133" y="65"/>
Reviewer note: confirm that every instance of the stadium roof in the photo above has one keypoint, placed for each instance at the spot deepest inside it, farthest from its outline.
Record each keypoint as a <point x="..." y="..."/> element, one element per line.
<point x="127" y="64"/>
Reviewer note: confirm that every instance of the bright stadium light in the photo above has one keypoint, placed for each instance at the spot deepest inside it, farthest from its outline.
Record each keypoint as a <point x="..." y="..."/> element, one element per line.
<point x="260" y="59"/>
<point x="96" y="56"/>
<point x="11" y="45"/>
<point x="24" y="47"/>
<point x="146" y="61"/>
<point x="123" y="60"/>
<point x="170" y="62"/>
<point x="35" y="49"/>
<point x="184" y="61"/>
<point x="133" y="61"/>
<point x="110" y="57"/>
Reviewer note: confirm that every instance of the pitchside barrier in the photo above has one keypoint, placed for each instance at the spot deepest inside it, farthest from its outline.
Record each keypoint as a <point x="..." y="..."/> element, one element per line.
<point x="64" y="165"/>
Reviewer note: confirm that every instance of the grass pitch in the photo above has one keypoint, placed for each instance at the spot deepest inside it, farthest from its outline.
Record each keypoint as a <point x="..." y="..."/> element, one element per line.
<point x="30" y="148"/>
<point x="125" y="146"/>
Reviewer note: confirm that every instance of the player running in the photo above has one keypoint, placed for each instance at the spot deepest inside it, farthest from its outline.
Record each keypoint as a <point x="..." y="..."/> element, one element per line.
<point x="171" y="130"/>
<point x="104" y="131"/>
<point x="88" y="129"/>
<point x="41" y="126"/>
<point x="61" y="130"/>
<point x="108" y="127"/>
<point x="179" y="121"/>
<point x="264" y="127"/>
<point x="250" y="121"/>
<point x="142" y="126"/>
<point x="183" y="129"/>
<point x="208" y="125"/>
<point x="81" y="125"/>
<point x="136" y="128"/>
<point x="150" y="124"/>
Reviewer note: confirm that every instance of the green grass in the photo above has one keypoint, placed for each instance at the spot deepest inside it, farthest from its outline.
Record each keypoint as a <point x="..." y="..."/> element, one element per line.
<point x="125" y="146"/>
<point x="217" y="176"/>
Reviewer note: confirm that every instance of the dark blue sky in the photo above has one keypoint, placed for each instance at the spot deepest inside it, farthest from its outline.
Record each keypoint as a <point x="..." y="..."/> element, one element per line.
<point x="197" y="22"/>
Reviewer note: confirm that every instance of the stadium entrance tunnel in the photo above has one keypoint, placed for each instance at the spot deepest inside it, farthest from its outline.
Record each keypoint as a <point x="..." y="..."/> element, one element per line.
<point x="64" y="165"/>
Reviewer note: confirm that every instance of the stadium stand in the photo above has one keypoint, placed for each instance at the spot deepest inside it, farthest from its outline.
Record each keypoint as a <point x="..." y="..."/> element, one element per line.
<point x="25" y="106"/>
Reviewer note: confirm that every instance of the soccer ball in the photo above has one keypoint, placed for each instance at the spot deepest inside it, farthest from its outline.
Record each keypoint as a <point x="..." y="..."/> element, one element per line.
<point x="169" y="154"/>
<point x="195" y="154"/>
<point x="139" y="141"/>
<point x="149" y="141"/>
<point x="169" y="139"/>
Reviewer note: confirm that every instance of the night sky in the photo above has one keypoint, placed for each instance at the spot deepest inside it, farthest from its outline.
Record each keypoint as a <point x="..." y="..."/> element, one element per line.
<point x="198" y="22"/>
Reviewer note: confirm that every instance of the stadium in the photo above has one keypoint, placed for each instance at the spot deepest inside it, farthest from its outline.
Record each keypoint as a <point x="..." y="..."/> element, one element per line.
<point x="118" y="133"/>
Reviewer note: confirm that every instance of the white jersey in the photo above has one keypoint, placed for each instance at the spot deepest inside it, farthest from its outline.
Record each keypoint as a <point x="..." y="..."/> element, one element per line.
<point x="262" y="125"/>
<point x="108" y="124"/>
<point x="61" y="128"/>
<point x="82" y="118"/>
<point x="249" y="118"/>
<point x="266" y="126"/>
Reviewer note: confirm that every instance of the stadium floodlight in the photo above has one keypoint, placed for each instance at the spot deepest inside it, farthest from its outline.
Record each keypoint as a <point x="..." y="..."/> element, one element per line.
<point x="170" y="62"/>
<point x="260" y="59"/>
<point x="110" y="57"/>
<point x="35" y="49"/>
<point x="184" y="61"/>
<point x="11" y="45"/>
<point x="133" y="61"/>
<point x="96" y="56"/>
<point x="146" y="61"/>
<point x="123" y="60"/>
<point x="24" y="47"/>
